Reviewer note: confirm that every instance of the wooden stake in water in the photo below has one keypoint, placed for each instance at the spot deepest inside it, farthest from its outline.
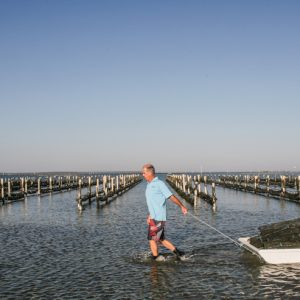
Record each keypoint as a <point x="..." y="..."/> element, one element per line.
<point x="117" y="183"/>
<point x="2" y="188"/>
<point x="9" y="188"/>
<point x="283" y="188"/>
<point x="22" y="184"/>
<point x="39" y="186"/>
<point x="90" y="186"/>
<point x="26" y="185"/>
<point x="195" y="196"/>
<point x="268" y="184"/>
<point x="213" y="191"/>
<point x="97" y="187"/>
<point x="255" y="183"/>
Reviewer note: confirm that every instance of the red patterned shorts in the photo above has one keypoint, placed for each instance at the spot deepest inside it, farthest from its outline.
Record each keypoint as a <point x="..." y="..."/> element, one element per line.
<point x="156" y="230"/>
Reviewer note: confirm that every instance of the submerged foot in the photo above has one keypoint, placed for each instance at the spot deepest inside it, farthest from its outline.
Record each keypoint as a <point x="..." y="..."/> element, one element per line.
<point x="159" y="257"/>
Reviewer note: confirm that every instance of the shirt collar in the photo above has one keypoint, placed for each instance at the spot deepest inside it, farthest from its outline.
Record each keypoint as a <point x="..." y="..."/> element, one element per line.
<point x="154" y="179"/>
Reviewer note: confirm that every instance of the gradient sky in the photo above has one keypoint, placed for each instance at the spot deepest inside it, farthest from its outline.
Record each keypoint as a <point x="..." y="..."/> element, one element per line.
<point x="186" y="85"/>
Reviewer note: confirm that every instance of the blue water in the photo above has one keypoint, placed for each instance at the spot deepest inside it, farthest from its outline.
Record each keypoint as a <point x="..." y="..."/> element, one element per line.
<point x="49" y="250"/>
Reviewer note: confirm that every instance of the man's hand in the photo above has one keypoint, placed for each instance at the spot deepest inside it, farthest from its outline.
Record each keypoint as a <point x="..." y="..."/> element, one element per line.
<point x="184" y="210"/>
<point x="175" y="200"/>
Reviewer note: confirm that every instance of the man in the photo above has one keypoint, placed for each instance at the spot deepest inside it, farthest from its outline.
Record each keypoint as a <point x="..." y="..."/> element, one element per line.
<point x="156" y="194"/>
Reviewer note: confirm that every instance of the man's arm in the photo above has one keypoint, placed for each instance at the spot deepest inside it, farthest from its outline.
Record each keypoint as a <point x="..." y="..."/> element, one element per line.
<point x="175" y="200"/>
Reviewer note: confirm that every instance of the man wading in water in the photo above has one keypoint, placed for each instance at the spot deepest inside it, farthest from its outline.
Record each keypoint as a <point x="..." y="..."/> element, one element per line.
<point x="156" y="194"/>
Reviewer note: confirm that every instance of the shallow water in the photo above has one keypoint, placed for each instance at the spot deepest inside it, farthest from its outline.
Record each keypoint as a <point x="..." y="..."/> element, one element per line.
<point x="51" y="251"/>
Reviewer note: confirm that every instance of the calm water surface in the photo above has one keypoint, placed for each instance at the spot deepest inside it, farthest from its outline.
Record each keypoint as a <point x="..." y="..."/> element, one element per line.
<point x="51" y="251"/>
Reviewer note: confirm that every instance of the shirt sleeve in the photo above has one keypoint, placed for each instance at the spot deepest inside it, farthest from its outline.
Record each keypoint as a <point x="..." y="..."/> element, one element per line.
<point x="164" y="189"/>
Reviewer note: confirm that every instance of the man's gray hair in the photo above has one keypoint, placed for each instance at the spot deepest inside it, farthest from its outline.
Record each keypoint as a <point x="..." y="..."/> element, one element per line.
<point x="150" y="168"/>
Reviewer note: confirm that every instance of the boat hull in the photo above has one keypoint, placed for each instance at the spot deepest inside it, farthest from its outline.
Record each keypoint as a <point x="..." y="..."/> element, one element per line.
<point x="273" y="256"/>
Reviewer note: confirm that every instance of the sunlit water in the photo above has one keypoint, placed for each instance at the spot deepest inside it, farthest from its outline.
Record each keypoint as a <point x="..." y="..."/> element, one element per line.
<point x="51" y="251"/>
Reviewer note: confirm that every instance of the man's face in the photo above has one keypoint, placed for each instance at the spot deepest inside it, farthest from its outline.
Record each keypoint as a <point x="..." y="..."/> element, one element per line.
<point x="147" y="174"/>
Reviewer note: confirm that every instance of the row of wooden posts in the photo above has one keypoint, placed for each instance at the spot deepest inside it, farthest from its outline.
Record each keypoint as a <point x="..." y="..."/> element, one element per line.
<point x="17" y="188"/>
<point x="189" y="188"/>
<point x="283" y="187"/>
<point x="112" y="187"/>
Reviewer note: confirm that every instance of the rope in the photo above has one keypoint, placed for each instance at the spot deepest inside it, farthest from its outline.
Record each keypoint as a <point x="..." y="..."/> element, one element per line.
<point x="213" y="228"/>
<point x="224" y="235"/>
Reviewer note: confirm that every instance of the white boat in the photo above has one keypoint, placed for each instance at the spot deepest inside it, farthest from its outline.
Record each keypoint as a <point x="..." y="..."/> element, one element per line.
<point x="273" y="256"/>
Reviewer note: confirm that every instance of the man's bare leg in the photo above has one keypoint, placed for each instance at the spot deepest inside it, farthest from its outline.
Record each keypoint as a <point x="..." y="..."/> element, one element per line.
<point x="168" y="245"/>
<point x="153" y="247"/>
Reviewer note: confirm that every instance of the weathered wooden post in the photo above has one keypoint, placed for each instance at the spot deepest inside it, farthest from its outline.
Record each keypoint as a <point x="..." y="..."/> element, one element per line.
<point x="22" y="185"/>
<point x="268" y="184"/>
<point x="205" y="186"/>
<point x="298" y="187"/>
<point x="112" y="185"/>
<point x="39" y="186"/>
<point x="117" y="184"/>
<point x="97" y="187"/>
<point x="104" y="185"/>
<point x="26" y="185"/>
<point x="2" y="190"/>
<point x="195" y="196"/>
<point x="255" y="183"/>
<point x="79" y="188"/>
<point x="213" y="192"/>
<point x="199" y="187"/>
<point x="283" y="186"/>
<point x="90" y="186"/>
<point x="90" y="189"/>
<point x="50" y="184"/>
<point x="245" y="182"/>
<point x="9" y="188"/>
<point x="183" y="183"/>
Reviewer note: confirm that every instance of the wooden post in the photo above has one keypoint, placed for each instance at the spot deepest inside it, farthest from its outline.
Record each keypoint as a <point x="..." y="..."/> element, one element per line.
<point x="195" y="196"/>
<point x="213" y="192"/>
<point x="22" y="185"/>
<point x="90" y="186"/>
<point x="50" y="184"/>
<point x="117" y="184"/>
<point x="97" y="187"/>
<point x="39" y="186"/>
<point x="26" y="185"/>
<point x="112" y="184"/>
<point x="104" y="185"/>
<point x="199" y="188"/>
<point x="183" y="183"/>
<point x="9" y="188"/>
<point x="283" y="187"/>
<point x="298" y="187"/>
<point x="268" y="184"/>
<point x="255" y="183"/>
<point x="79" y="188"/>
<point x="2" y="189"/>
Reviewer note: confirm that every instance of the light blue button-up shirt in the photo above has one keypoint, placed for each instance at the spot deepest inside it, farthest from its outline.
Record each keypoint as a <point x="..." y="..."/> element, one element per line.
<point x="156" y="194"/>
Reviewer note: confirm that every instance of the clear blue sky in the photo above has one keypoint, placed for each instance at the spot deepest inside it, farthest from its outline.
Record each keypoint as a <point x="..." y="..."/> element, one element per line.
<point x="186" y="85"/>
